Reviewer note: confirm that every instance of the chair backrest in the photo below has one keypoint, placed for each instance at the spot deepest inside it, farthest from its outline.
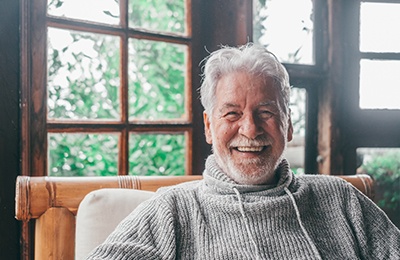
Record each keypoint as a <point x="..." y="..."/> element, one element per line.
<point x="52" y="203"/>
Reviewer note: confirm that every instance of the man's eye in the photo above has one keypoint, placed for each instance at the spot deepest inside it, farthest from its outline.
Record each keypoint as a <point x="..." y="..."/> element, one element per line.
<point x="232" y="115"/>
<point x="265" y="114"/>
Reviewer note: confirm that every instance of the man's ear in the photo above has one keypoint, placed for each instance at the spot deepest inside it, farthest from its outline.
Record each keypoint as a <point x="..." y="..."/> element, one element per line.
<point x="207" y="128"/>
<point x="290" y="128"/>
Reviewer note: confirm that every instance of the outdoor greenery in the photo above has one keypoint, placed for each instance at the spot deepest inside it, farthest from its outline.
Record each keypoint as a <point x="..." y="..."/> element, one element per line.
<point x="163" y="16"/>
<point x="84" y="84"/>
<point x="83" y="154"/>
<point x="83" y="75"/>
<point x="156" y="80"/>
<point x="152" y="154"/>
<point x="99" y="11"/>
<point x="287" y="32"/>
<point x="298" y="101"/>
<point x="384" y="168"/>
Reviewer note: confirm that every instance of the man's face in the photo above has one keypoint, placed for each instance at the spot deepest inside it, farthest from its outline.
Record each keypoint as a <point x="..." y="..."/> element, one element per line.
<point x="247" y="128"/>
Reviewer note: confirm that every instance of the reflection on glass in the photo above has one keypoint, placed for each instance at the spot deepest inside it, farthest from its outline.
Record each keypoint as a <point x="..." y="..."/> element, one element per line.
<point x="295" y="150"/>
<point x="83" y="75"/>
<point x="160" y="16"/>
<point x="157" y="72"/>
<point x="286" y="28"/>
<point x="383" y="165"/>
<point x="157" y="154"/>
<point x="82" y="154"/>
<point x="101" y="11"/>
<point x="380" y="27"/>
<point x="379" y="84"/>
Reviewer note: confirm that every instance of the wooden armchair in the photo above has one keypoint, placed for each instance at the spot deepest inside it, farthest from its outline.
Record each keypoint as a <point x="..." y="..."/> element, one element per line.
<point x="52" y="202"/>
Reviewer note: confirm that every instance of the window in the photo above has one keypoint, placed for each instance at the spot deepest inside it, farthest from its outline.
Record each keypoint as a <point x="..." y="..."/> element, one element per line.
<point x="109" y="91"/>
<point x="287" y="32"/>
<point x="295" y="152"/>
<point x="380" y="55"/>
<point x="372" y="61"/>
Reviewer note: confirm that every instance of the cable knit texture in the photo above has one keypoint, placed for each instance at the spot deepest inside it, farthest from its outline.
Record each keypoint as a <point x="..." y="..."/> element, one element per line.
<point x="307" y="217"/>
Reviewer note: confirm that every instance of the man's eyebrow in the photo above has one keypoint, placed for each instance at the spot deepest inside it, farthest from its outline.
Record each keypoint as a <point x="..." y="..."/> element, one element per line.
<point x="229" y="105"/>
<point x="268" y="103"/>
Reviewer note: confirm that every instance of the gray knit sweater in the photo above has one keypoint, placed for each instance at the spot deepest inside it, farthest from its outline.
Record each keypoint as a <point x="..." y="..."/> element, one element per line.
<point x="307" y="217"/>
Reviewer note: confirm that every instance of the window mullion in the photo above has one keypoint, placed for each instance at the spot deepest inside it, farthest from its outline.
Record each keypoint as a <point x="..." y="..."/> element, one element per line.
<point x="37" y="90"/>
<point x="123" y="156"/>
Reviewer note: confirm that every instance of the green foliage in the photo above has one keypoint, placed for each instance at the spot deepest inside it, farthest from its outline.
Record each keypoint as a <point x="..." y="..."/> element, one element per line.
<point x="385" y="169"/>
<point x="83" y="76"/>
<point x="298" y="171"/>
<point x="157" y="80"/>
<point x="298" y="99"/>
<point x="152" y="154"/>
<point x="83" y="154"/>
<point x="84" y="84"/>
<point x="259" y="17"/>
<point x="163" y="16"/>
<point x="55" y="3"/>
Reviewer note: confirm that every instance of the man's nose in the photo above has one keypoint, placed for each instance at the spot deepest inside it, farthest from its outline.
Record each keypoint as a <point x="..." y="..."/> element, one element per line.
<point x="250" y="127"/>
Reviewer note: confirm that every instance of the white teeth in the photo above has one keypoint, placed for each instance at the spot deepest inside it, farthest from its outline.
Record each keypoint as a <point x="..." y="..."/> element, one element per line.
<point x="250" y="148"/>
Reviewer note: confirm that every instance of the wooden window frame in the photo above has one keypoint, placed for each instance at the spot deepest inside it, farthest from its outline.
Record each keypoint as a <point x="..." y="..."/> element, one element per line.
<point x="36" y="126"/>
<point x="373" y="128"/>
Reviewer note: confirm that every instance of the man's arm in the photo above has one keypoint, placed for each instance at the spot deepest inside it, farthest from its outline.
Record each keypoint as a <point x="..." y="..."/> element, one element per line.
<point x="377" y="236"/>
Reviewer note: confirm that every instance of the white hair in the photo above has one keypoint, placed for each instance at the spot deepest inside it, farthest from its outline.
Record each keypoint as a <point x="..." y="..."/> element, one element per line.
<point x="250" y="58"/>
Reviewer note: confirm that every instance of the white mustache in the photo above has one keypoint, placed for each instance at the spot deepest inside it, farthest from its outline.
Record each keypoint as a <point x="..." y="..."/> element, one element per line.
<point x="244" y="142"/>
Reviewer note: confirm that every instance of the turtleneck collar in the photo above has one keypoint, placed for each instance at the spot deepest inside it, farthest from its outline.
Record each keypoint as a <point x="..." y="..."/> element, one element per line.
<point x="217" y="180"/>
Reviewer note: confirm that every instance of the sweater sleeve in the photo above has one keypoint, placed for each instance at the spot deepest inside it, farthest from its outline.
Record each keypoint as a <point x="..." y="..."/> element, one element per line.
<point x="377" y="236"/>
<point x="147" y="233"/>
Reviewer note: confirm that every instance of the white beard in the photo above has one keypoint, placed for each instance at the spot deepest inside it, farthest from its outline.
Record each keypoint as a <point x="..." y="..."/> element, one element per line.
<point x="250" y="171"/>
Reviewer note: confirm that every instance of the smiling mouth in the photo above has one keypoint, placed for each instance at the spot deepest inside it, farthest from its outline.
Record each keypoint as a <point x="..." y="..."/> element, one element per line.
<point x="253" y="149"/>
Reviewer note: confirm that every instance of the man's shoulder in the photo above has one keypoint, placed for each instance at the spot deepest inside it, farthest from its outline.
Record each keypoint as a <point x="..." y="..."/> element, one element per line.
<point x="323" y="181"/>
<point x="325" y="187"/>
<point x="320" y="178"/>
<point x="176" y="196"/>
<point x="185" y="187"/>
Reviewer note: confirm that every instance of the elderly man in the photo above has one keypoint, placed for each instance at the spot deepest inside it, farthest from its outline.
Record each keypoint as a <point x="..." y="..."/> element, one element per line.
<point x="249" y="204"/>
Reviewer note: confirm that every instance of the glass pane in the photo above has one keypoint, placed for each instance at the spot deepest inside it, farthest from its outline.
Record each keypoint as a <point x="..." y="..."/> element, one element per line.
<point x="101" y="11"/>
<point x="161" y="16"/>
<point x="83" y="75"/>
<point x="383" y="165"/>
<point x="296" y="148"/>
<point x="380" y="27"/>
<point x="379" y="84"/>
<point x="286" y="28"/>
<point x="83" y="154"/>
<point x="157" y="72"/>
<point x="157" y="154"/>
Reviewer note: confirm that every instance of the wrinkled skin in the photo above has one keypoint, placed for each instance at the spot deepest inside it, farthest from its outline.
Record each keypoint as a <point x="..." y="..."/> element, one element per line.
<point x="248" y="128"/>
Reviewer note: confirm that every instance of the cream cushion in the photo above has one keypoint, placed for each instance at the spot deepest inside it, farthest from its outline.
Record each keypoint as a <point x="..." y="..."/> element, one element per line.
<point x="100" y="212"/>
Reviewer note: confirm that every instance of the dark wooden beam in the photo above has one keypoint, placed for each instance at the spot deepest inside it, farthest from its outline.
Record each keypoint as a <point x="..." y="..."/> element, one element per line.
<point x="9" y="126"/>
<point x="330" y="138"/>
